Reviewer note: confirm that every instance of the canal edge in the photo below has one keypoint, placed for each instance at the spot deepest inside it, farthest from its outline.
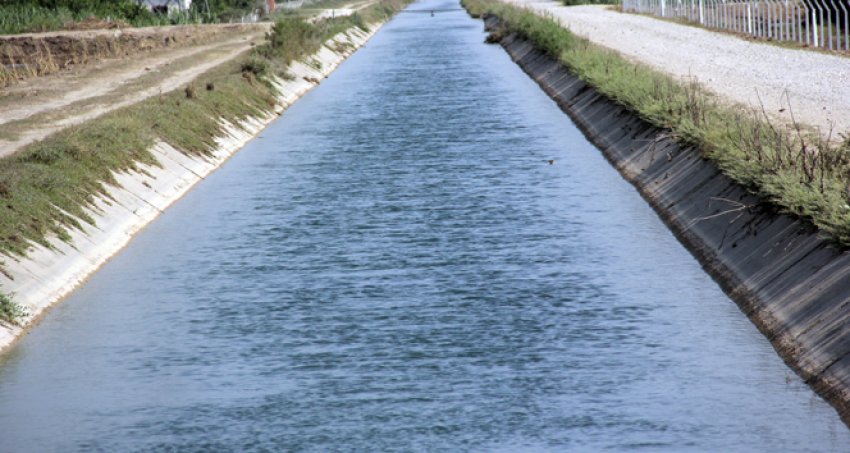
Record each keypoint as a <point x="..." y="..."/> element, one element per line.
<point x="46" y="275"/>
<point x="782" y="273"/>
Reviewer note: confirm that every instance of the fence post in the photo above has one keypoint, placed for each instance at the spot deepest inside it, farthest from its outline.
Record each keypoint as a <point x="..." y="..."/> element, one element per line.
<point x="712" y="13"/>
<point x="815" y="28"/>
<point x="789" y="21"/>
<point x="846" y="27"/>
<point x="829" y="22"/>
<point x="804" y="37"/>
<point x="757" y="16"/>
<point x="819" y="26"/>
<point x="749" y="18"/>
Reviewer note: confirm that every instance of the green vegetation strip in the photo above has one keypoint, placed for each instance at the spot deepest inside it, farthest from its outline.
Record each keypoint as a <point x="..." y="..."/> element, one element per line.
<point x="789" y="165"/>
<point x="47" y="187"/>
<point x="292" y="38"/>
<point x="30" y="16"/>
<point x="10" y="312"/>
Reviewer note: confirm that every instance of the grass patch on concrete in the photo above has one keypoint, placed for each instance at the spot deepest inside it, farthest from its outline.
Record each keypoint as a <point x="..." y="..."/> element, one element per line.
<point x="292" y="37"/>
<point x="789" y="165"/>
<point x="47" y="187"/>
<point x="10" y="312"/>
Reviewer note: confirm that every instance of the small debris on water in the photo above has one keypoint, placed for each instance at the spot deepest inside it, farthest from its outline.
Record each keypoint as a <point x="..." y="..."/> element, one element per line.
<point x="551" y="161"/>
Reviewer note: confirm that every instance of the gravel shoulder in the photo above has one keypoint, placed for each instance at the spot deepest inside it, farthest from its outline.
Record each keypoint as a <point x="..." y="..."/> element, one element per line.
<point x="751" y="73"/>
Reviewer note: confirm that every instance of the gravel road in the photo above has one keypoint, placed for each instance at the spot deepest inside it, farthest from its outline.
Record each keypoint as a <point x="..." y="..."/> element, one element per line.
<point x="38" y="107"/>
<point x="41" y="106"/>
<point x="817" y="84"/>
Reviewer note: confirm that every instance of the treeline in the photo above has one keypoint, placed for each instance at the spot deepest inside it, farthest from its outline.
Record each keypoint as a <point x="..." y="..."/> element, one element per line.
<point x="23" y="16"/>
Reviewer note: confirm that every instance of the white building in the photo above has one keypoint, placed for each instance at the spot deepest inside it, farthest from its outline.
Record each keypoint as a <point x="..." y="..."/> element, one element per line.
<point x="172" y="6"/>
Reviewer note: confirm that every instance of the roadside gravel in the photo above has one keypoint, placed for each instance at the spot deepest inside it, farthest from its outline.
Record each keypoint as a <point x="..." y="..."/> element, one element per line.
<point x="818" y="85"/>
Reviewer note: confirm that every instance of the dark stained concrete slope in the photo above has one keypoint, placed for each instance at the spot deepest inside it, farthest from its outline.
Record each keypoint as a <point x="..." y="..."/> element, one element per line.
<point x="791" y="282"/>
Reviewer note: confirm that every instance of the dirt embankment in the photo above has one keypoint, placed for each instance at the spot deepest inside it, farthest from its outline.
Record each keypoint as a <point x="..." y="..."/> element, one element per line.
<point x="39" y="54"/>
<point x="108" y="69"/>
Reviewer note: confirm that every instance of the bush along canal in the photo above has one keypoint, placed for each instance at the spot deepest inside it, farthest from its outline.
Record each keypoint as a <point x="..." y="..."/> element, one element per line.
<point x="787" y="276"/>
<point x="423" y="253"/>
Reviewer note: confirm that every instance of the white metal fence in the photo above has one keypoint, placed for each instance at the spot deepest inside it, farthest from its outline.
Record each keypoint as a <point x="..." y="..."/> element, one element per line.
<point x="823" y="24"/>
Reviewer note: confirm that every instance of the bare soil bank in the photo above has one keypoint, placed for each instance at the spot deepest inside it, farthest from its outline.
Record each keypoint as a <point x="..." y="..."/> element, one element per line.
<point x="37" y="54"/>
<point x="789" y="280"/>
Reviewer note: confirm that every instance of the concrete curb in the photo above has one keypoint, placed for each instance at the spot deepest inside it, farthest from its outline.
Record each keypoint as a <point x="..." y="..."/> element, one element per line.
<point x="791" y="282"/>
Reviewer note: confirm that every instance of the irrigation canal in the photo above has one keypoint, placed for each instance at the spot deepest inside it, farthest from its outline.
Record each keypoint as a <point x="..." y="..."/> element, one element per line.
<point x="394" y="265"/>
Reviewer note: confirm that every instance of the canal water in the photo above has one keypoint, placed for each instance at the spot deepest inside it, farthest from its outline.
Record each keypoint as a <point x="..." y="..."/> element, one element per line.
<point x="394" y="265"/>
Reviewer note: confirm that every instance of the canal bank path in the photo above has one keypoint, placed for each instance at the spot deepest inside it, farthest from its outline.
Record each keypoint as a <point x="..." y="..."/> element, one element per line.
<point x="740" y="70"/>
<point x="38" y="107"/>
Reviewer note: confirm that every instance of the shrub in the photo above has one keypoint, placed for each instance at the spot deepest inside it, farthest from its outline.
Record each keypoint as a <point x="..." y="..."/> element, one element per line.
<point x="10" y="312"/>
<point x="255" y="65"/>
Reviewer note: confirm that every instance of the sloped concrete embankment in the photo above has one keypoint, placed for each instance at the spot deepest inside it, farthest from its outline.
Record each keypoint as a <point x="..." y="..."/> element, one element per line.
<point x="47" y="274"/>
<point x="792" y="283"/>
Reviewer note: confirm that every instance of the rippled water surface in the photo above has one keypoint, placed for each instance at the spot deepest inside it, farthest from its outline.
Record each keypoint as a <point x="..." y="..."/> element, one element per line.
<point x="393" y="265"/>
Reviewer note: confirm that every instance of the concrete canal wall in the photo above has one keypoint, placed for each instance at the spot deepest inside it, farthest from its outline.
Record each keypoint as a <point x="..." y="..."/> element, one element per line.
<point x="47" y="274"/>
<point x="789" y="280"/>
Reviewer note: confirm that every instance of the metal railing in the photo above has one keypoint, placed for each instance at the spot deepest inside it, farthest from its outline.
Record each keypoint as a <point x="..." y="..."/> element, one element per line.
<point x="823" y="24"/>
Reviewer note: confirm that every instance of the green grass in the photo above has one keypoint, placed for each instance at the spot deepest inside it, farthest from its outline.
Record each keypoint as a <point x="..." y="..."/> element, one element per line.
<point x="23" y="16"/>
<point x="10" y="312"/>
<point x="46" y="188"/>
<point x="292" y="37"/>
<point x="788" y="165"/>
<point x="30" y="18"/>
